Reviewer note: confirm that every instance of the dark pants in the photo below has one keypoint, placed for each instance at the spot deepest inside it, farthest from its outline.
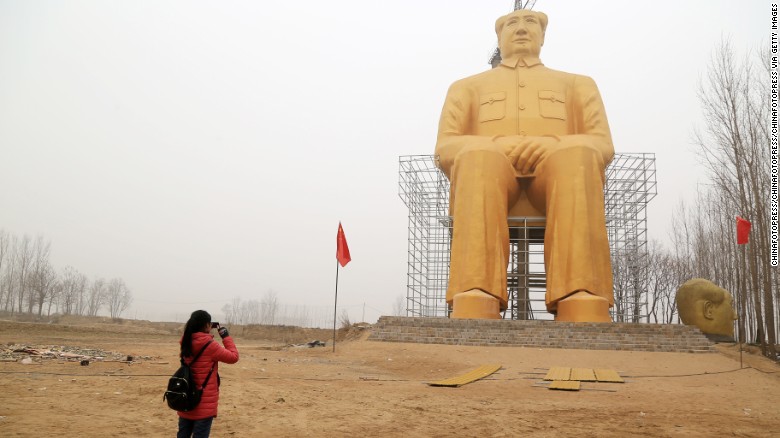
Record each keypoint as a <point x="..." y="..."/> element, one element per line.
<point x="194" y="428"/>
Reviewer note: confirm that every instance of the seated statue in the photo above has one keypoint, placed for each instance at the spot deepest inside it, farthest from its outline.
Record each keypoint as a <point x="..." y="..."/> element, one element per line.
<point x="705" y="305"/>
<point x="523" y="139"/>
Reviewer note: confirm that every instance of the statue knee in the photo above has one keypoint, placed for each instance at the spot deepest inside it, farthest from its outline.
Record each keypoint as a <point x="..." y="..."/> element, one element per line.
<point x="579" y="152"/>
<point x="583" y="158"/>
<point x="480" y="156"/>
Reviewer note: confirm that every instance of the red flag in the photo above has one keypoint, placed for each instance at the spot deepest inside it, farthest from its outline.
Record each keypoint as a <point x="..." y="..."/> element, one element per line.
<point x="342" y="250"/>
<point x="743" y="230"/>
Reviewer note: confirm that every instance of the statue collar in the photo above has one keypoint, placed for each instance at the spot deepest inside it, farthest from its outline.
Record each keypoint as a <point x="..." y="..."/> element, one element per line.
<point x="520" y="61"/>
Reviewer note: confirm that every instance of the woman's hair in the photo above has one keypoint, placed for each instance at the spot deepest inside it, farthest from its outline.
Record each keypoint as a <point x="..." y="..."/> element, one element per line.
<point x="197" y="321"/>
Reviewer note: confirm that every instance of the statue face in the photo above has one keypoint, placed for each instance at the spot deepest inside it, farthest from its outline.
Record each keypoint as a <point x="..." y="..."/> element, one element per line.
<point x="707" y="306"/>
<point x="720" y="317"/>
<point x="521" y="35"/>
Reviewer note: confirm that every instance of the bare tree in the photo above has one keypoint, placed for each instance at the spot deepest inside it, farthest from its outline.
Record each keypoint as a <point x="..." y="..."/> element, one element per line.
<point x="230" y="317"/>
<point x="42" y="276"/>
<point x="235" y="311"/>
<point x="660" y="284"/>
<point x="399" y="305"/>
<point x="732" y="145"/>
<point x="74" y="285"/>
<point x="246" y="310"/>
<point x="117" y="297"/>
<point x="96" y="295"/>
<point x="5" y="240"/>
<point x="43" y="285"/>
<point x="269" y="307"/>
<point x="54" y="297"/>
<point x="28" y="281"/>
<point x="23" y="260"/>
<point x="253" y="312"/>
<point x="8" y="279"/>
<point x="344" y="321"/>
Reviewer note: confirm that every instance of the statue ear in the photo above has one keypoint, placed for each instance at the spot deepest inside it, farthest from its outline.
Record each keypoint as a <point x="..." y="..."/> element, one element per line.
<point x="709" y="309"/>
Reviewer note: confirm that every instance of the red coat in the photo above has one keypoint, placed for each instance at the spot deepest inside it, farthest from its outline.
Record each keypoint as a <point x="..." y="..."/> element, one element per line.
<point x="213" y="354"/>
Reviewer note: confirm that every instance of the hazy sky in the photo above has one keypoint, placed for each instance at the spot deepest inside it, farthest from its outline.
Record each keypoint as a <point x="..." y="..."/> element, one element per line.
<point x="207" y="150"/>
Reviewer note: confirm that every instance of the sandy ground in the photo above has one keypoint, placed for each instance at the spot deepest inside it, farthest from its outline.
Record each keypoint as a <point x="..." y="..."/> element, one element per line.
<point x="370" y="388"/>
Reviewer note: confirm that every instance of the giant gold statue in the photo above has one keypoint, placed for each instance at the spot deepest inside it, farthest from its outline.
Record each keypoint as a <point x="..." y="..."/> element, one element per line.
<point x="707" y="306"/>
<point x="523" y="139"/>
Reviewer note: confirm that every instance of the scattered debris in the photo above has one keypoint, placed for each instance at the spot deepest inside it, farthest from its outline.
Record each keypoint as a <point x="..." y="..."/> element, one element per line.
<point x="311" y="344"/>
<point x="16" y="352"/>
<point x="84" y="362"/>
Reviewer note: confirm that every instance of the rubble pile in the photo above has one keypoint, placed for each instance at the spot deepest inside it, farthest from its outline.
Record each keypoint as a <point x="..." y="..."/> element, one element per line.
<point x="19" y="352"/>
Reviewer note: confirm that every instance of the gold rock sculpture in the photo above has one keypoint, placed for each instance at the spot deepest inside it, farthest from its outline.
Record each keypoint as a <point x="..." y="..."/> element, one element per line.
<point x="525" y="140"/>
<point x="707" y="306"/>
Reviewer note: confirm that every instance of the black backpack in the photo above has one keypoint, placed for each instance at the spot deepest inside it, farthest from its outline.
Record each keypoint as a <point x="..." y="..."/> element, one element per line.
<point x="182" y="394"/>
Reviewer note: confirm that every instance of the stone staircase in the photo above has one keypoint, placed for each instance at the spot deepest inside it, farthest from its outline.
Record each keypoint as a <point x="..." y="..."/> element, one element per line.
<point x="542" y="334"/>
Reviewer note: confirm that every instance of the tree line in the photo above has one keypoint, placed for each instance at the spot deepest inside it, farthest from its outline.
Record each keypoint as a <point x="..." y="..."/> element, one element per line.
<point x="30" y="284"/>
<point x="269" y="311"/>
<point x="733" y="144"/>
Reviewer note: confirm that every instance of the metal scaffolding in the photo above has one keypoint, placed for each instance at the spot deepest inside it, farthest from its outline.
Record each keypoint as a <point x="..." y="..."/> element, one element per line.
<point x="425" y="190"/>
<point x="630" y="186"/>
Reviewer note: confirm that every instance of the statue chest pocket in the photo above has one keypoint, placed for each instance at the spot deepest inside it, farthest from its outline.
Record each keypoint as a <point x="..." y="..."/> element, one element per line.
<point x="552" y="104"/>
<point x="492" y="106"/>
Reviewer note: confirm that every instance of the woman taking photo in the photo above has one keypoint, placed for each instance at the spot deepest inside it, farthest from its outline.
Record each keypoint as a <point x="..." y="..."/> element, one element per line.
<point x="197" y="336"/>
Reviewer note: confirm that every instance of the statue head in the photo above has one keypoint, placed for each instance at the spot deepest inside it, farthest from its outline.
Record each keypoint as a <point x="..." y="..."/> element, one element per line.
<point x="521" y="33"/>
<point x="707" y="306"/>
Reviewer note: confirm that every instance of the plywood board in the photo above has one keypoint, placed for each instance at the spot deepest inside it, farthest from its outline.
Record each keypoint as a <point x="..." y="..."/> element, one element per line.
<point x="558" y="373"/>
<point x="474" y="375"/>
<point x="604" y="375"/>
<point x="565" y="385"/>
<point x="583" y="375"/>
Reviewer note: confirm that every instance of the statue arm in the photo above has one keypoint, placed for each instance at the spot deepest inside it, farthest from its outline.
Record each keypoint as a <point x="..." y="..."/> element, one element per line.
<point x="591" y="126"/>
<point x="454" y="128"/>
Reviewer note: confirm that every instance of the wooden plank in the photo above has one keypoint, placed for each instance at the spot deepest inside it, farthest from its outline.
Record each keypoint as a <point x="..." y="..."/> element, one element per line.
<point x="558" y="373"/>
<point x="605" y="375"/>
<point x="583" y="375"/>
<point x="472" y="376"/>
<point x="565" y="385"/>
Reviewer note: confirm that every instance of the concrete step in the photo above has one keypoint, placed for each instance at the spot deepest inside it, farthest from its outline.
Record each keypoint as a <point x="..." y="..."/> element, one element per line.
<point x="545" y="334"/>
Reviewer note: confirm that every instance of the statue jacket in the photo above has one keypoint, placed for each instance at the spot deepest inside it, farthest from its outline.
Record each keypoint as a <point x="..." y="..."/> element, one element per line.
<point x="522" y="97"/>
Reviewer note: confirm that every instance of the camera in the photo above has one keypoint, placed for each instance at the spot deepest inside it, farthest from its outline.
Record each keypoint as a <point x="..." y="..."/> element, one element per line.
<point x="214" y="325"/>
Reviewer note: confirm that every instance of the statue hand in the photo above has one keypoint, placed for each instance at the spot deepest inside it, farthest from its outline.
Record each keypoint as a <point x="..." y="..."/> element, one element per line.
<point x="530" y="151"/>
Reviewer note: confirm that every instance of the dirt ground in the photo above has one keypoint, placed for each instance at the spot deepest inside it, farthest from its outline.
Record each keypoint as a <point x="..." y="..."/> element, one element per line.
<point x="371" y="388"/>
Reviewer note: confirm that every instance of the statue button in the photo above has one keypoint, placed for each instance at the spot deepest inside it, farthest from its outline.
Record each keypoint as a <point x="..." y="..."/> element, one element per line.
<point x="521" y="84"/>
<point x="522" y="107"/>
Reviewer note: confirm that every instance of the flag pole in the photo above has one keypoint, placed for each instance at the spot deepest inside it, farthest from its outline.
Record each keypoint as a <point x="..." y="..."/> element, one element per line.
<point x="335" y="300"/>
